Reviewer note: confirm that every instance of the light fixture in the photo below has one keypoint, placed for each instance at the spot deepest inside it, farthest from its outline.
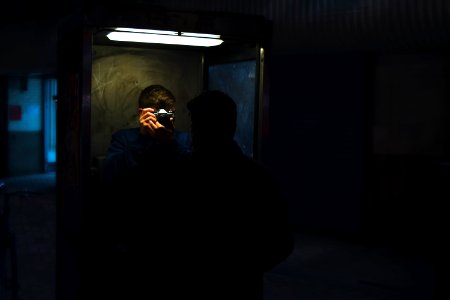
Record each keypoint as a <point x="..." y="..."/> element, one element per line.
<point x="164" y="37"/>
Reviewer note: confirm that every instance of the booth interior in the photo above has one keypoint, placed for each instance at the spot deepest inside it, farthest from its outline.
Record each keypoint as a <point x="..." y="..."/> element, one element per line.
<point x="121" y="70"/>
<point x="99" y="81"/>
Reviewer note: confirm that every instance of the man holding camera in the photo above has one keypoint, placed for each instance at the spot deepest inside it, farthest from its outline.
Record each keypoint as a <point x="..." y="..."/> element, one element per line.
<point x="154" y="145"/>
<point x="134" y="208"/>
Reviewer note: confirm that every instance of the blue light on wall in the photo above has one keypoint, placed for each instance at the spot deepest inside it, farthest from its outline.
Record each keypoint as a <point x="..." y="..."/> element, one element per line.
<point x="30" y="101"/>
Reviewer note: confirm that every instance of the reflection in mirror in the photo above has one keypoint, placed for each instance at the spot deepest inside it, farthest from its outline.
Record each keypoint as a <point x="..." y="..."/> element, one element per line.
<point x="119" y="74"/>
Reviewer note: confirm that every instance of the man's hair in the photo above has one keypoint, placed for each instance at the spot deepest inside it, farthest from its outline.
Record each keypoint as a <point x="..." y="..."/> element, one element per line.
<point x="213" y="114"/>
<point x="157" y="97"/>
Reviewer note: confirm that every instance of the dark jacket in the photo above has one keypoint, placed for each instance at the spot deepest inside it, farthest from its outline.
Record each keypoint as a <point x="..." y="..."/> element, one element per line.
<point x="131" y="153"/>
<point x="237" y="226"/>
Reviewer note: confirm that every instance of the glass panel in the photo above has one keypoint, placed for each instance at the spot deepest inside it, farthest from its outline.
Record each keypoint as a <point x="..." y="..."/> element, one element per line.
<point x="238" y="80"/>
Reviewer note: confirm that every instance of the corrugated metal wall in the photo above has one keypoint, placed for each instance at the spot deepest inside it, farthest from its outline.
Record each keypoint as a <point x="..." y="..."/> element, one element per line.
<point x="341" y="24"/>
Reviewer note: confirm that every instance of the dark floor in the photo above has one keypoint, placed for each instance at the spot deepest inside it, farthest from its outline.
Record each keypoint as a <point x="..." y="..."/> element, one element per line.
<point x="29" y="258"/>
<point x="329" y="268"/>
<point x="319" y="268"/>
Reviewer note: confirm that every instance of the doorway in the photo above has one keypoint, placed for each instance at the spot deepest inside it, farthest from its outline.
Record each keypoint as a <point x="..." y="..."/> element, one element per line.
<point x="31" y="125"/>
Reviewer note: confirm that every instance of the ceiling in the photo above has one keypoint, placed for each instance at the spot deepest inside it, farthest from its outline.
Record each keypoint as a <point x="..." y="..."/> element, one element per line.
<point x="30" y="38"/>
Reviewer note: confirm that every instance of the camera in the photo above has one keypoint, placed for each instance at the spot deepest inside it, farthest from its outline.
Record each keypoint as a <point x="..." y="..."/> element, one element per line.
<point x="164" y="116"/>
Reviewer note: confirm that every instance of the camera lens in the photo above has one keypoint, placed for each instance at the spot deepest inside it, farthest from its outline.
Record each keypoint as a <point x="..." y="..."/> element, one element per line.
<point x="164" y="119"/>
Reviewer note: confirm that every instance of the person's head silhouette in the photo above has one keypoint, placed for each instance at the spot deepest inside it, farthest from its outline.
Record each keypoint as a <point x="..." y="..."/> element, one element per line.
<point x="213" y="118"/>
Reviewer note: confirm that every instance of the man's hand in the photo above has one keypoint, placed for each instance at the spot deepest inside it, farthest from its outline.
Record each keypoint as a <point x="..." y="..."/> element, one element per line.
<point x="150" y="126"/>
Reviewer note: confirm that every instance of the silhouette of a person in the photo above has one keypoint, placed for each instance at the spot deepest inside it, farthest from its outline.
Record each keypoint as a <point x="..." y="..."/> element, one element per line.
<point x="236" y="225"/>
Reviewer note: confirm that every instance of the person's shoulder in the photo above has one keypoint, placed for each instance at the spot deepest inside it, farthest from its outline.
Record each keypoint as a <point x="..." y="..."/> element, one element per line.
<point x="126" y="133"/>
<point x="183" y="141"/>
<point x="252" y="162"/>
<point x="183" y="137"/>
<point x="249" y="164"/>
<point x="260" y="169"/>
<point x="181" y="133"/>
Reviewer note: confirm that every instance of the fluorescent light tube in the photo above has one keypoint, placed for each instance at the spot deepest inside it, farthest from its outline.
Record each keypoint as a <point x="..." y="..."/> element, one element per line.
<point x="204" y="35"/>
<point x="146" y="31"/>
<point x="164" y="37"/>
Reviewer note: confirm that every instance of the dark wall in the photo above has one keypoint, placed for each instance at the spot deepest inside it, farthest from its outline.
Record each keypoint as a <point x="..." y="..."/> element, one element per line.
<point x="318" y="125"/>
<point x="360" y="142"/>
<point x="408" y="171"/>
